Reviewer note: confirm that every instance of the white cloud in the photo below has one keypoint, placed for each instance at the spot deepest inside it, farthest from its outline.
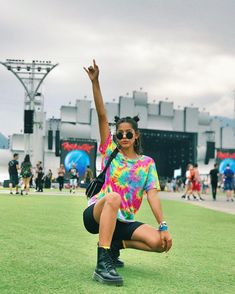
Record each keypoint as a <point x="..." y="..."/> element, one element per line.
<point x="174" y="48"/>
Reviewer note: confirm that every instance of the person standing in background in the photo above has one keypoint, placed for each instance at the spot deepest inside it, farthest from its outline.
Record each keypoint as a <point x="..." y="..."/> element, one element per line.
<point x="188" y="182"/>
<point x="13" y="167"/>
<point x="26" y="173"/>
<point x="196" y="185"/>
<point x="38" y="166"/>
<point x="73" y="173"/>
<point x="228" y="177"/>
<point x="48" y="179"/>
<point x="40" y="179"/>
<point x="60" y="179"/>
<point x="88" y="176"/>
<point x="214" y="173"/>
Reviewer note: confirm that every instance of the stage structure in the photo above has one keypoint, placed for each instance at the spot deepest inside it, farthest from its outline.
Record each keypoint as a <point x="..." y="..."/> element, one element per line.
<point x="170" y="150"/>
<point x="31" y="76"/>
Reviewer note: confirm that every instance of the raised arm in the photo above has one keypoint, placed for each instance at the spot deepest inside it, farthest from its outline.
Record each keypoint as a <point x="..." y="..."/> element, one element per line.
<point x="93" y="73"/>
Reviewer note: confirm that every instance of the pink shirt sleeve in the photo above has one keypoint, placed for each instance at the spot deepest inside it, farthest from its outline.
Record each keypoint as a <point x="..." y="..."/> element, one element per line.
<point x="105" y="146"/>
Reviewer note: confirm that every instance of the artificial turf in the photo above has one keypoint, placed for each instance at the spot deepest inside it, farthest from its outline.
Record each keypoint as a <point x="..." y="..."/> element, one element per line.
<point x="44" y="248"/>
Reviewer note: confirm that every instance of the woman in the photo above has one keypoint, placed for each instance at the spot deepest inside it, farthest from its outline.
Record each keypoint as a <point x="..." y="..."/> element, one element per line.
<point x="60" y="179"/>
<point x="111" y="212"/>
<point x="40" y="178"/>
<point x="26" y="173"/>
<point x="196" y="183"/>
<point x="190" y="175"/>
<point x="88" y="176"/>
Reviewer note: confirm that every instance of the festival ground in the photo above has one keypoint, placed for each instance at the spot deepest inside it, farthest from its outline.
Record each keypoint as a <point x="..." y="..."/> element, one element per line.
<point x="45" y="249"/>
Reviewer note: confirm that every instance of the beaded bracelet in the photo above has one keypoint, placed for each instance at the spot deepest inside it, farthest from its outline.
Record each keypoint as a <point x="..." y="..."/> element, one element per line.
<point x="163" y="227"/>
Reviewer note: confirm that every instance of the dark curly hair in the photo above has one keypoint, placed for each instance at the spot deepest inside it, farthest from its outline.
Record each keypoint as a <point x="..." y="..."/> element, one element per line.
<point x="27" y="158"/>
<point x="133" y="121"/>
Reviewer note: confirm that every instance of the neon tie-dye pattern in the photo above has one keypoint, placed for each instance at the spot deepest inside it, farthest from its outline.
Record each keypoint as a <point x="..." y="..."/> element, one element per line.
<point x="129" y="178"/>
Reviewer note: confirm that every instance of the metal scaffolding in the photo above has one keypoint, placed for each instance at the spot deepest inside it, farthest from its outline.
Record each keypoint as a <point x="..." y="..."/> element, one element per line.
<point x="31" y="75"/>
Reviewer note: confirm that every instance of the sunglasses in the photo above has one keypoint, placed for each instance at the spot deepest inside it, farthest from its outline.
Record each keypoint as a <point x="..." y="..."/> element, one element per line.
<point x="129" y="135"/>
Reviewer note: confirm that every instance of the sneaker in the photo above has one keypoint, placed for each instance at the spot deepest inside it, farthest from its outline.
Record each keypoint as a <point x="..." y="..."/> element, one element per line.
<point x="21" y="193"/>
<point x="11" y="193"/>
<point x="188" y="198"/>
<point x="183" y="196"/>
<point x="202" y="199"/>
<point x="195" y="198"/>
<point x="17" y="193"/>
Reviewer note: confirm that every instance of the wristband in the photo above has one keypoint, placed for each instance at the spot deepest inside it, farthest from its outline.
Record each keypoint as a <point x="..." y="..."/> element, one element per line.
<point x="163" y="227"/>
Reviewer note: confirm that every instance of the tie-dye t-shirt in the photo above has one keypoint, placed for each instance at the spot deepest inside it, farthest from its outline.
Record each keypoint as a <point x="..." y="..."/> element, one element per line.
<point x="129" y="178"/>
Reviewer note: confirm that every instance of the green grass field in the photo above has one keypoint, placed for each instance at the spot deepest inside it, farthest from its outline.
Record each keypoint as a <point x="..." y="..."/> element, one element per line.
<point x="45" y="249"/>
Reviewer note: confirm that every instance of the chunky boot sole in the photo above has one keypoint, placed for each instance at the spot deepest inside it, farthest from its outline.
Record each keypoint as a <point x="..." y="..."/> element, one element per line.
<point x="100" y="279"/>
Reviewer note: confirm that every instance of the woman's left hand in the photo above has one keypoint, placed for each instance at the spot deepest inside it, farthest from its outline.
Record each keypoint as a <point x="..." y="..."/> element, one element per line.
<point x="166" y="240"/>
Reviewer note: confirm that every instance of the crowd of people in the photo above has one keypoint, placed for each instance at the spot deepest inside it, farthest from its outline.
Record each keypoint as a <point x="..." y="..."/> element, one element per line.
<point x="24" y="176"/>
<point x="194" y="185"/>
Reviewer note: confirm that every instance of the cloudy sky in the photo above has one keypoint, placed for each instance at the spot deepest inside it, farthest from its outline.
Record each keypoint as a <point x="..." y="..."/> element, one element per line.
<point x="180" y="49"/>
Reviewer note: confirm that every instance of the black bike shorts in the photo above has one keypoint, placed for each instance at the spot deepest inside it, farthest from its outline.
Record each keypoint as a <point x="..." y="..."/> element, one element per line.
<point x="123" y="231"/>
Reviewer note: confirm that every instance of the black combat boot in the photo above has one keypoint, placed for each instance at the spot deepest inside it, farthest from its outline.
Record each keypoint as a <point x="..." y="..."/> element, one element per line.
<point x="116" y="245"/>
<point x="105" y="271"/>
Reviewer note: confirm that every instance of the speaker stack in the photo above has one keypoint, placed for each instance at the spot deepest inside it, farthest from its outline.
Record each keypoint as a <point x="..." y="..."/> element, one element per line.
<point x="210" y="151"/>
<point x="28" y="121"/>
<point x="57" y="143"/>
<point x="50" y="140"/>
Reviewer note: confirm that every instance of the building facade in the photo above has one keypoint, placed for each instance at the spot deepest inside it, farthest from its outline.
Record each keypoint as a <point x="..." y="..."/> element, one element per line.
<point x="80" y="121"/>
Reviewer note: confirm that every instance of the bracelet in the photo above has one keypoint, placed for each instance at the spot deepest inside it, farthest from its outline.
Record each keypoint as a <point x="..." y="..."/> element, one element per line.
<point x="163" y="227"/>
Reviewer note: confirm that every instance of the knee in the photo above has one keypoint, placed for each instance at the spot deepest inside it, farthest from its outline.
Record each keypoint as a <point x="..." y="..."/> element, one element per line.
<point x="113" y="199"/>
<point x="156" y="245"/>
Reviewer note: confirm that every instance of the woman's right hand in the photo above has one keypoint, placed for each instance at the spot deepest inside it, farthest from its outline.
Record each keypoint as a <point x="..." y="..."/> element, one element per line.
<point x="93" y="71"/>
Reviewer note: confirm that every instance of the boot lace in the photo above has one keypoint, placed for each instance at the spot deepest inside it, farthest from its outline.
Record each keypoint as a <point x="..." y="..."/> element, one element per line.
<point x="109" y="262"/>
